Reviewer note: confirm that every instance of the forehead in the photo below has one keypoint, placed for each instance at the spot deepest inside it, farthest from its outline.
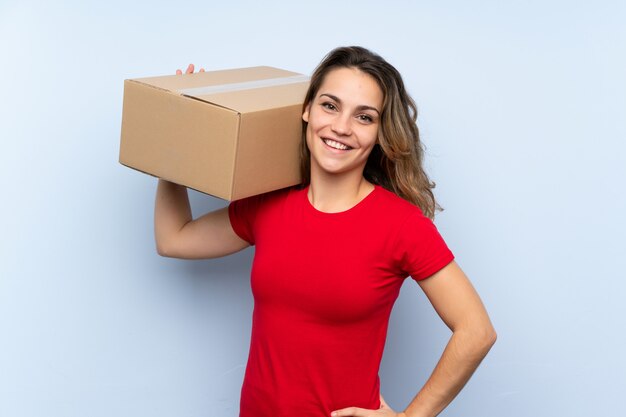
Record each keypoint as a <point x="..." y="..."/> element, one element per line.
<point x="353" y="86"/>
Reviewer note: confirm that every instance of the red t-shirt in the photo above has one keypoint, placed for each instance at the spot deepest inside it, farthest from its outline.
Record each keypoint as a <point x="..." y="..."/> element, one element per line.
<point x="324" y="285"/>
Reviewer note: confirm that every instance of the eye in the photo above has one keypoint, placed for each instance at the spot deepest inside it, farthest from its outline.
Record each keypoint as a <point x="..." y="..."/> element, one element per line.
<point x="365" y="118"/>
<point x="329" y="106"/>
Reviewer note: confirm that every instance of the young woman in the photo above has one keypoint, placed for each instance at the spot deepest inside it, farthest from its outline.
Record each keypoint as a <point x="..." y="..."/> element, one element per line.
<point x="332" y="254"/>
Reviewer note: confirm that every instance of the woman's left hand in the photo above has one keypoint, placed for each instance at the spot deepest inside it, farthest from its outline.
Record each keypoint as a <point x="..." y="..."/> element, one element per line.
<point x="383" y="411"/>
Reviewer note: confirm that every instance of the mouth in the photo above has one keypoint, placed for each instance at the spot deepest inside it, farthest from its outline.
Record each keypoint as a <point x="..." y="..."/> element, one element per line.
<point x="336" y="145"/>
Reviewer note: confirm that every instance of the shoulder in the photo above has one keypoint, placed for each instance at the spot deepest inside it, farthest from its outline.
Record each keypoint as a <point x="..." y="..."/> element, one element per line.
<point x="417" y="249"/>
<point x="247" y="213"/>
<point x="396" y="220"/>
<point x="395" y="208"/>
<point x="268" y="197"/>
<point x="403" y="220"/>
<point x="262" y="202"/>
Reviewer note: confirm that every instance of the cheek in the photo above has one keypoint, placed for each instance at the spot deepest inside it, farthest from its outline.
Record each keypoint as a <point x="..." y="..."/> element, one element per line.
<point x="369" y="137"/>
<point x="319" y="119"/>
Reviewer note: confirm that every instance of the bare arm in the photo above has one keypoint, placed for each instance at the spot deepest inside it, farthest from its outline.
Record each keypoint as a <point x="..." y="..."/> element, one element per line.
<point x="177" y="235"/>
<point x="459" y="306"/>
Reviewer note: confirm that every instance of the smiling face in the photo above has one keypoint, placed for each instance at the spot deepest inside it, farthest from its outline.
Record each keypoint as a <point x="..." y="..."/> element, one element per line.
<point x="343" y="120"/>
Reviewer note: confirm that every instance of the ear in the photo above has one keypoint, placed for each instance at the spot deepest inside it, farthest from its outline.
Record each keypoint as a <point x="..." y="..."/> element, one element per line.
<point x="305" y="115"/>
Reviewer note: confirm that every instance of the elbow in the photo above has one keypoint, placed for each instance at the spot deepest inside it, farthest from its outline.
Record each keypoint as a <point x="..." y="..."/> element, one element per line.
<point x="486" y="338"/>
<point x="162" y="251"/>
<point x="479" y="338"/>
<point x="165" y="249"/>
<point x="490" y="337"/>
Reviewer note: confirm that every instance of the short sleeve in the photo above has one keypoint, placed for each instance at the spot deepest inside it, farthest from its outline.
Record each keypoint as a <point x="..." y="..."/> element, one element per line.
<point x="242" y="214"/>
<point x="420" y="249"/>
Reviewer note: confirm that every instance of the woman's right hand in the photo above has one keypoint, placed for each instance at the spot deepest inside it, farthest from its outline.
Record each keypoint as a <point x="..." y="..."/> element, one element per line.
<point x="190" y="70"/>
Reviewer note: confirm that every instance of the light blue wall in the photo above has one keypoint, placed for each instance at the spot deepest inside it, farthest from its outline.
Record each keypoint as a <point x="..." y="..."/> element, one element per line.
<point x="522" y="107"/>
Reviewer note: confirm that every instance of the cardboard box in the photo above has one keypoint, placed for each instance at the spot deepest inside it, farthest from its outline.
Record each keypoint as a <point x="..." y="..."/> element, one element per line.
<point x="231" y="133"/>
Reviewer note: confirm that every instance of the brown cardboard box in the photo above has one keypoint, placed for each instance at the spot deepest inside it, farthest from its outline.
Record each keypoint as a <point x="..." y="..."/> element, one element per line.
<point x="231" y="133"/>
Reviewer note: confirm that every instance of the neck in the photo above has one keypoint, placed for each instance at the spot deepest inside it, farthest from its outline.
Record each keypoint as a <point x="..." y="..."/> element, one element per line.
<point x="332" y="193"/>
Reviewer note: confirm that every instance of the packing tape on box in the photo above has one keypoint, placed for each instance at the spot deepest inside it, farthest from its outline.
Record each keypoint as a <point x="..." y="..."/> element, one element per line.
<point x="248" y="85"/>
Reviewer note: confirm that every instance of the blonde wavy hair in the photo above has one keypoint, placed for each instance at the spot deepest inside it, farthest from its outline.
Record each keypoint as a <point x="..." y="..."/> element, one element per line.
<point x="396" y="161"/>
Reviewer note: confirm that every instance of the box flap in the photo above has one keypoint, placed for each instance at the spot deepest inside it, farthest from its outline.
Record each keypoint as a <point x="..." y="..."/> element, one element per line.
<point x="242" y="90"/>
<point x="176" y="83"/>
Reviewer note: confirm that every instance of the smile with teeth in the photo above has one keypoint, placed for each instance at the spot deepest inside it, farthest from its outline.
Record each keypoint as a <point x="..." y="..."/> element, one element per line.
<point x="336" y="145"/>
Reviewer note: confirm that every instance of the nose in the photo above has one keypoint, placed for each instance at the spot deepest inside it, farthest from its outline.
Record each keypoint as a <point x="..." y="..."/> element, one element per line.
<point x="342" y="124"/>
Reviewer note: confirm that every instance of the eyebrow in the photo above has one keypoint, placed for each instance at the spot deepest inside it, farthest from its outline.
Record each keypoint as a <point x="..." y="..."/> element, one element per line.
<point x="361" y="107"/>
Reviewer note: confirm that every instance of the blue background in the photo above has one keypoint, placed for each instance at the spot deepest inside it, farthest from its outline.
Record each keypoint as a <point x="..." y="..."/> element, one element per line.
<point x="522" y="108"/>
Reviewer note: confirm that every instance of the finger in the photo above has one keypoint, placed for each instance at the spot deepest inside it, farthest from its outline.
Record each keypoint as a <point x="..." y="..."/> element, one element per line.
<point x="189" y="69"/>
<point x="179" y="72"/>
<point x="351" y="412"/>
